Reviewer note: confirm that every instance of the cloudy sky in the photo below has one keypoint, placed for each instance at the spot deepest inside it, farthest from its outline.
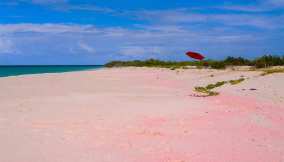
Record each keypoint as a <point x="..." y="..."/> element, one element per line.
<point x="96" y="31"/>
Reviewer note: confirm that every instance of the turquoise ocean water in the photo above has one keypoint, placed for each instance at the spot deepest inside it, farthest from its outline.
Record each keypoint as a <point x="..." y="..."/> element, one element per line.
<point x="24" y="70"/>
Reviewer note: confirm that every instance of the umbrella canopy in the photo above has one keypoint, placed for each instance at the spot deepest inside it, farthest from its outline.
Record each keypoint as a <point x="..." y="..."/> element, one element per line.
<point x="195" y="55"/>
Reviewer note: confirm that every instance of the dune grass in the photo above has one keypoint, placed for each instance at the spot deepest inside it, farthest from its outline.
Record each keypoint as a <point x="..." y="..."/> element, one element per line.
<point x="238" y="81"/>
<point x="208" y="90"/>
<point x="218" y="84"/>
<point x="272" y="71"/>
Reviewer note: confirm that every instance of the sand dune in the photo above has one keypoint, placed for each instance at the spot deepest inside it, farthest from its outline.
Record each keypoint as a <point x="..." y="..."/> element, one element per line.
<point x="141" y="115"/>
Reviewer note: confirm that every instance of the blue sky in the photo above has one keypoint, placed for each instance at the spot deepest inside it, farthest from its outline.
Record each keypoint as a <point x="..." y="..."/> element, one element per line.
<point x="96" y="31"/>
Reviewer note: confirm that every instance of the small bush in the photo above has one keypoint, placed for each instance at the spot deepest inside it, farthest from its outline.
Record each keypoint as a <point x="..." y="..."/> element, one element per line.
<point x="238" y="81"/>
<point x="210" y="86"/>
<point x="212" y="93"/>
<point x="218" y="65"/>
<point x="201" y="89"/>
<point x="218" y="84"/>
<point x="184" y="67"/>
<point x="260" y="64"/>
<point x="239" y="61"/>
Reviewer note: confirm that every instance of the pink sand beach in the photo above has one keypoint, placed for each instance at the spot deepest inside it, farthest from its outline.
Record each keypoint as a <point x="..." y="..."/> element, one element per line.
<point x="141" y="115"/>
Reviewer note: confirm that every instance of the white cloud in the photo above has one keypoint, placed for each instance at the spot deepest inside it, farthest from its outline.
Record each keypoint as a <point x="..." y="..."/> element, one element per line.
<point x="183" y="16"/>
<point x="275" y="3"/>
<point x="86" y="47"/>
<point x="260" y="6"/>
<point x="142" y="51"/>
<point x="6" y="46"/>
<point x="46" y="28"/>
<point x="48" y="1"/>
<point x="89" y="8"/>
<point x="133" y="51"/>
<point x="245" y="8"/>
<point x="66" y="5"/>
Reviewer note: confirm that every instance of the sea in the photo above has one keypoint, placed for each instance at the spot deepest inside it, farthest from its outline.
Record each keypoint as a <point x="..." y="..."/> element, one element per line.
<point x="6" y="71"/>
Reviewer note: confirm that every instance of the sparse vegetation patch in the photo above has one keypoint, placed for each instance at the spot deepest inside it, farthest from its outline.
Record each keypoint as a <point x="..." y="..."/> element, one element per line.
<point x="238" y="81"/>
<point x="208" y="90"/>
<point x="272" y="71"/>
<point x="218" y="84"/>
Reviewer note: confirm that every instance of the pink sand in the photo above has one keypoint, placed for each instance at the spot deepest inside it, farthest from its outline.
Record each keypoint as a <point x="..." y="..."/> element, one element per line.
<point x="138" y="115"/>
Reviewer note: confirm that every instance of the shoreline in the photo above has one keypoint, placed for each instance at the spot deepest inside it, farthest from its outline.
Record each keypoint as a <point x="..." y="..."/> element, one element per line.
<point x="46" y="73"/>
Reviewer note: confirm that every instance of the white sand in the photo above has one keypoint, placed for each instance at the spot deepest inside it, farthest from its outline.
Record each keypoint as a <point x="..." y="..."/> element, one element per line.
<point x="140" y="114"/>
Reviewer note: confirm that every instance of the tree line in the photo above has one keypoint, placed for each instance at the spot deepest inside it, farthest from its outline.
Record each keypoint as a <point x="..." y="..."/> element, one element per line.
<point x="260" y="62"/>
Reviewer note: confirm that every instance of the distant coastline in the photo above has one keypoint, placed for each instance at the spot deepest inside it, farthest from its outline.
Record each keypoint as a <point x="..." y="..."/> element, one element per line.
<point x="16" y="70"/>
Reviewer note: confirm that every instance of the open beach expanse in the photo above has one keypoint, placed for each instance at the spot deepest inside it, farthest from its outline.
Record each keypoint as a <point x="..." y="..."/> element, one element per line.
<point x="141" y="81"/>
<point x="141" y="115"/>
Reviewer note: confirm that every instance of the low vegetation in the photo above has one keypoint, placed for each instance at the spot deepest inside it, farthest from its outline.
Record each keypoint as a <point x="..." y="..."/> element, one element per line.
<point x="216" y="85"/>
<point x="272" y="71"/>
<point x="153" y="63"/>
<point x="238" y="81"/>
<point x="208" y="90"/>
<point x="261" y="62"/>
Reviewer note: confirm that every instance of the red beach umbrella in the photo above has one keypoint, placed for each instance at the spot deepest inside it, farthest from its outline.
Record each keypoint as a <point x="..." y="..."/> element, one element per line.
<point x="195" y="55"/>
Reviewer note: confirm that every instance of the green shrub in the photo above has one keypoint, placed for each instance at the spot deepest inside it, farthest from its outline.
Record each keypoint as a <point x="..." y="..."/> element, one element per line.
<point x="218" y="65"/>
<point x="261" y="62"/>
<point x="238" y="81"/>
<point x="212" y="93"/>
<point x="202" y="89"/>
<point x="218" y="84"/>
<point x="238" y="61"/>
<point x="210" y="86"/>
<point x="268" y="60"/>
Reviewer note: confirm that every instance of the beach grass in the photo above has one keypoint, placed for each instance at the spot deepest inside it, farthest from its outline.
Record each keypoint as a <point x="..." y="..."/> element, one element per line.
<point x="238" y="81"/>
<point x="208" y="90"/>
<point x="272" y="71"/>
<point x="218" y="84"/>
